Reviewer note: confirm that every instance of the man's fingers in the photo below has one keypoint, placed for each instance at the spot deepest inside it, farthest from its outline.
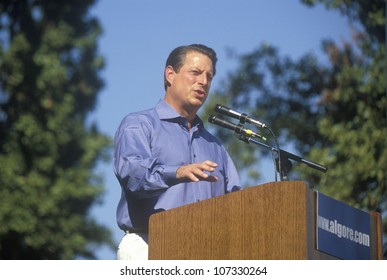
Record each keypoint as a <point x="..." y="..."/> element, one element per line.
<point x="197" y="172"/>
<point x="208" y="166"/>
<point x="203" y="176"/>
<point x="210" y="163"/>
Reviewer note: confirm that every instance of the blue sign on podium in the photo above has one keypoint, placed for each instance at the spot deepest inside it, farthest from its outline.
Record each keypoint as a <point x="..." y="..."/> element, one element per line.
<point x="342" y="231"/>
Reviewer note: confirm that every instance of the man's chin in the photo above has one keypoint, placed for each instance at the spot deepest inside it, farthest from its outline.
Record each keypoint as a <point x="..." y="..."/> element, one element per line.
<point x="199" y="101"/>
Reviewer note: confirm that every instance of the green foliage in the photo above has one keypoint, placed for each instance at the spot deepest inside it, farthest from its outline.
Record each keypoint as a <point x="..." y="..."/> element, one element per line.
<point x="332" y="113"/>
<point x="49" y="76"/>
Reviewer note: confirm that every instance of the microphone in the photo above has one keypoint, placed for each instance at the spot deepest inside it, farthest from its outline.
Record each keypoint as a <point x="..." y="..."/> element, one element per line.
<point x="236" y="128"/>
<point x="242" y="117"/>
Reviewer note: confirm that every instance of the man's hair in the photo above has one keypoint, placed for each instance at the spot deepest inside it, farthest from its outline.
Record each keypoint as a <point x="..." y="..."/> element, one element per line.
<point x="177" y="56"/>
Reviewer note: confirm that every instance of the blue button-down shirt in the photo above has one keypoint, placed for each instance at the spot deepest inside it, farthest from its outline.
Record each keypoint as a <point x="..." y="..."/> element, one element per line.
<point x="149" y="147"/>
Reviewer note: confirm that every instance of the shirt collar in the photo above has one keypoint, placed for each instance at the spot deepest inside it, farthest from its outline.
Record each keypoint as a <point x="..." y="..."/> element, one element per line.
<point x="166" y="112"/>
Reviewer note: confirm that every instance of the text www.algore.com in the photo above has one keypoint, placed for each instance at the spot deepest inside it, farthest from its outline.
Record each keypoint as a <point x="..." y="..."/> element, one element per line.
<point x="176" y="271"/>
<point x="343" y="231"/>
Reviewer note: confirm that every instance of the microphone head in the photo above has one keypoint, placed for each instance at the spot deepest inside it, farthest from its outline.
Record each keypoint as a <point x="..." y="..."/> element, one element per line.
<point x="211" y="118"/>
<point x="220" y="108"/>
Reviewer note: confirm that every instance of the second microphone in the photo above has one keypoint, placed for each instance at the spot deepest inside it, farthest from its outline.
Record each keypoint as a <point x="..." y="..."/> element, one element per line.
<point x="238" y="129"/>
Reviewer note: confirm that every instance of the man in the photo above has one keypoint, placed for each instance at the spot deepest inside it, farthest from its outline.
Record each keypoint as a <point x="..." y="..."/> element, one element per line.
<point x="164" y="157"/>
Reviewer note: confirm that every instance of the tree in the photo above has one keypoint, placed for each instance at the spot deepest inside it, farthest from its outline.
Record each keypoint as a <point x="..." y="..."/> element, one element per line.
<point x="333" y="113"/>
<point x="49" y="77"/>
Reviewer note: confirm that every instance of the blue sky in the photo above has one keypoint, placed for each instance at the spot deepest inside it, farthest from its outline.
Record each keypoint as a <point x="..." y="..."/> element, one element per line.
<point x="139" y="35"/>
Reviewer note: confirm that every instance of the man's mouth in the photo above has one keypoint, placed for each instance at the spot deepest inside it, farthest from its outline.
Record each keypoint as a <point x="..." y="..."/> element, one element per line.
<point x="200" y="92"/>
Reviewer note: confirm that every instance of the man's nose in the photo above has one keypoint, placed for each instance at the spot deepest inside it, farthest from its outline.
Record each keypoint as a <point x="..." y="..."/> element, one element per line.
<point x="203" y="79"/>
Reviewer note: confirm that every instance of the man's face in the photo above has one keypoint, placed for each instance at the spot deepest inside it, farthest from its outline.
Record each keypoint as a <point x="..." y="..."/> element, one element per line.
<point x="190" y="86"/>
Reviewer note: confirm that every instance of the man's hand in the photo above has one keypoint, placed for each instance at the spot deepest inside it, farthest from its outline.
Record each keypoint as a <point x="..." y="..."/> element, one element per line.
<point x="197" y="172"/>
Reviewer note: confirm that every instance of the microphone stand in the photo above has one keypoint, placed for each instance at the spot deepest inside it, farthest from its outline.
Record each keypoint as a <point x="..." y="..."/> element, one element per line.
<point x="284" y="157"/>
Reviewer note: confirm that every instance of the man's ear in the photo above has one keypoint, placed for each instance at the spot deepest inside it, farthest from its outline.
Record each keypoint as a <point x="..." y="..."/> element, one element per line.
<point x="169" y="74"/>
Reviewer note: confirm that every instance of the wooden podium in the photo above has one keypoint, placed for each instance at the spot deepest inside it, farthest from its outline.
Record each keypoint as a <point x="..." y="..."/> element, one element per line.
<point x="272" y="221"/>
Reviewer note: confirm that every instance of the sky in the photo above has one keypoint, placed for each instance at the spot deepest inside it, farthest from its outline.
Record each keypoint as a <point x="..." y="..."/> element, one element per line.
<point x="139" y="35"/>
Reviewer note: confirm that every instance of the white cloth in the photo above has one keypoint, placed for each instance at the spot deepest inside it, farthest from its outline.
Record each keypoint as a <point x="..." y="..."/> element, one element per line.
<point x="133" y="246"/>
